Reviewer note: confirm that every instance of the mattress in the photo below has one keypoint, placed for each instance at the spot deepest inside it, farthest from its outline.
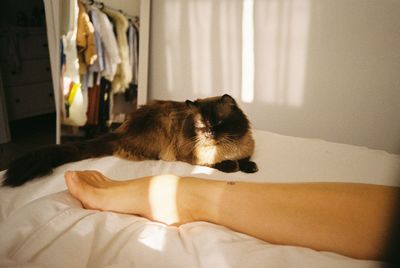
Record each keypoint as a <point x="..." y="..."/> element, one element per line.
<point x="42" y="225"/>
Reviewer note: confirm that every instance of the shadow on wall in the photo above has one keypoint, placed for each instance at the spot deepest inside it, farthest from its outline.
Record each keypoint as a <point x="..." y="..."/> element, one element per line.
<point x="324" y="69"/>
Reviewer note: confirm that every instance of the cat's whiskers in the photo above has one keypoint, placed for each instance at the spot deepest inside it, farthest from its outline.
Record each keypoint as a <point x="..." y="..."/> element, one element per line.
<point x="192" y="142"/>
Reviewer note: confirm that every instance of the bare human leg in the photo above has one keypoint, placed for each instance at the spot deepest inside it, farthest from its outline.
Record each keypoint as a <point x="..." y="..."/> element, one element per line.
<point x="150" y="197"/>
<point x="350" y="219"/>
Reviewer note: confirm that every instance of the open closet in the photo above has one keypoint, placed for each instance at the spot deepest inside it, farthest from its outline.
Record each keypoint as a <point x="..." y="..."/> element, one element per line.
<point x="95" y="48"/>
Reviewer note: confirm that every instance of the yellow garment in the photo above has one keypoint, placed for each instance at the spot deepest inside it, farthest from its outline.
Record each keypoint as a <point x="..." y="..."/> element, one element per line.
<point x="75" y="88"/>
<point x="85" y="40"/>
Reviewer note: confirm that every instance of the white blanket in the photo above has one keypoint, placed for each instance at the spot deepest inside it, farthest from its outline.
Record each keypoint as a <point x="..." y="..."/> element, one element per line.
<point x="42" y="225"/>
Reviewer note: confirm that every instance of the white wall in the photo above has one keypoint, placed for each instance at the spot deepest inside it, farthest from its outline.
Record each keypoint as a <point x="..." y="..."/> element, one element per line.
<point x="310" y="68"/>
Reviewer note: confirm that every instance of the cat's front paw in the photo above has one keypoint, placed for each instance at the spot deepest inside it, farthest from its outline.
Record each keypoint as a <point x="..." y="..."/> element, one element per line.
<point x="227" y="166"/>
<point x="248" y="166"/>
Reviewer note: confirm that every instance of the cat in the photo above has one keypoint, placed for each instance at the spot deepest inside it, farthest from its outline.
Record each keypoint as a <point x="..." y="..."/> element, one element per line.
<point x="212" y="132"/>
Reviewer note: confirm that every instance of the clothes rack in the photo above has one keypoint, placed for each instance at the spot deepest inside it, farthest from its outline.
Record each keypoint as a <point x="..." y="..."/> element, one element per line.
<point x="56" y="18"/>
<point x="101" y="6"/>
<point x="106" y="48"/>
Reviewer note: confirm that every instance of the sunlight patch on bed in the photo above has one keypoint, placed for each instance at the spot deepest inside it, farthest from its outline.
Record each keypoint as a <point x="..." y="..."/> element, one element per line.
<point x="202" y="170"/>
<point x="153" y="238"/>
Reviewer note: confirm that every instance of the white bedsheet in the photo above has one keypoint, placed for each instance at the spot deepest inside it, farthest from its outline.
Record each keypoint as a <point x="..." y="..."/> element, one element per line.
<point x="42" y="225"/>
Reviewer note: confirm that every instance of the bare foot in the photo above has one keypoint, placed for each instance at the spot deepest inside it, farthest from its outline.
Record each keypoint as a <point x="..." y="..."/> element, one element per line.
<point x="96" y="191"/>
<point x="155" y="198"/>
<point x="81" y="184"/>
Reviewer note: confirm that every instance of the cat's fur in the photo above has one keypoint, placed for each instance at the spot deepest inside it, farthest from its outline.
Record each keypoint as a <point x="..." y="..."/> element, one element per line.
<point x="212" y="132"/>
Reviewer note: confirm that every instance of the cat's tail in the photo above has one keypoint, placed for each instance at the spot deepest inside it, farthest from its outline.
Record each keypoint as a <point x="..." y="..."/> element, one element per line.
<point x="42" y="161"/>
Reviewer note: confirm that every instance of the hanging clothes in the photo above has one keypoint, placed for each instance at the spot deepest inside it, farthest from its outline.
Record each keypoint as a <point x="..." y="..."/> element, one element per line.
<point x="123" y="75"/>
<point x="109" y="41"/>
<point x="94" y="104"/>
<point x="99" y="63"/>
<point x="74" y="112"/>
<point x="85" y="40"/>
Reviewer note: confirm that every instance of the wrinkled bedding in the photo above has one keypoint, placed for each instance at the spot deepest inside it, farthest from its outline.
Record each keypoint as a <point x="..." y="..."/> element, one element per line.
<point x="42" y="225"/>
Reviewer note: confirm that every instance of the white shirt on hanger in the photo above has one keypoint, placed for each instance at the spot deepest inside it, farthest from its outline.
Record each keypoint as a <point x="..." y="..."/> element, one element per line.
<point x="109" y="41"/>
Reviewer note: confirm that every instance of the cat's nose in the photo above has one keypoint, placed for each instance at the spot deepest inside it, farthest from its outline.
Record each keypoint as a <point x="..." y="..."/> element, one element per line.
<point x="209" y="134"/>
<point x="212" y="134"/>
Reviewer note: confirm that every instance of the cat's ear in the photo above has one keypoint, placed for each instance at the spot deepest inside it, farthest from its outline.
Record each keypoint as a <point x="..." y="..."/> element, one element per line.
<point x="190" y="104"/>
<point x="228" y="99"/>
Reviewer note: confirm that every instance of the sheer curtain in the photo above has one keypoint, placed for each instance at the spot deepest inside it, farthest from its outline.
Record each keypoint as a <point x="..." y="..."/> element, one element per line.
<point x="309" y="68"/>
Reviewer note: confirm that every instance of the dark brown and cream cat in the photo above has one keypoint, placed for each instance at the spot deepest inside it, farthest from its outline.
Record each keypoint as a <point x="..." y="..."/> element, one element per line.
<point x="212" y="132"/>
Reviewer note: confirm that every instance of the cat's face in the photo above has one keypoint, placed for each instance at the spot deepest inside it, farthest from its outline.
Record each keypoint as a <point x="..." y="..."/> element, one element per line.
<point x="218" y="118"/>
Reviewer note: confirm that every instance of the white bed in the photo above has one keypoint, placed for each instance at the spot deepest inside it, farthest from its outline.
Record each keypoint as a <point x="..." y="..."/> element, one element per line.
<point x="42" y="225"/>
